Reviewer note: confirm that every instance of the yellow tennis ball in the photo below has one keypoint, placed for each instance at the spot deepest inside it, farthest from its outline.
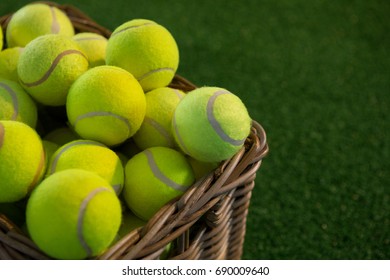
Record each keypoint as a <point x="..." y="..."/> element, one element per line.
<point x="167" y="252"/>
<point x="48" y="66"/>
<point x="145" y="49"/>
<point x="34" y="20"/>
<point x="153" y="178"/>
<point x="92" y="156"/>
<point x="73" y="214"/>
<point x="61" y="136"/>
<point x="50" y="148"/>
<point x="106" y="104"/>
<point x="8" y="63"/>
<point x="156" y="129"/>
<point x="211" y="124"/>
<point x="16" y="104"/>
<point x="22" y="160"/>
<point x="94" y="46"/>
<point x="129" y="223"/>
<point x="202" y="168"/>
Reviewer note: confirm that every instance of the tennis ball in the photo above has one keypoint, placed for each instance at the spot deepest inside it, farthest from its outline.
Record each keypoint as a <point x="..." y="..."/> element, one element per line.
<point x="211" y="124"/>
<point x="34" y="20"/>
<point x="48" y="66"/>
<point x="50" y="148"/>
<point x="129" y="223"/>
<point x="153" y="178"/>
<point x="167" y="251"/>
<point x="156" y="129"/>
<point x="94" y="46"/>
<point x="202" y="168"/>
<point x="16" y="104"/>
<point x="61" y="136"/>
<point x="22" y="160"/>
<point x="8" y="63"/>
<point x="145" y="49"/>
<point x="73" y="214"/>
<point x="92" y="156"/>
<point x="106" y="104"/>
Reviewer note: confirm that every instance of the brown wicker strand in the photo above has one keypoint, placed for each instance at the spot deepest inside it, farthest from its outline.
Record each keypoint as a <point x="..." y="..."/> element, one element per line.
<point x="14" y="244"/>
<point x="219" y="182"/>
<point x="3" y="253"/>
<point x="121" y="247"/>
<point x="194" y="250"/>
<point x="246" y="177"/>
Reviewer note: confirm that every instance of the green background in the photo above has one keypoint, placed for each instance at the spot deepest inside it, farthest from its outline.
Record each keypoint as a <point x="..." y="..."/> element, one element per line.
<point x="316" y="75"/>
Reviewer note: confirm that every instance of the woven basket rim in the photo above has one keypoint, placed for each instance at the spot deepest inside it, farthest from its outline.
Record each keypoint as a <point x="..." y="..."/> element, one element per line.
<point x="172" y="221"/>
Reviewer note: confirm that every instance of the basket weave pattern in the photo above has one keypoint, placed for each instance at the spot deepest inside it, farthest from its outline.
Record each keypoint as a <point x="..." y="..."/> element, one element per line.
<point x="207" y="222"/>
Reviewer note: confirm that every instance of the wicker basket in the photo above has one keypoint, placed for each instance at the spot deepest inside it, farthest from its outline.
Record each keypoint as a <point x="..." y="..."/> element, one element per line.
<point x="207" y="222"/>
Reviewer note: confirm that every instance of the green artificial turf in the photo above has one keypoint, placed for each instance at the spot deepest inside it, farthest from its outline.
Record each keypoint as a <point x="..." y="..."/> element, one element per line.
<point x="316" y="75"/>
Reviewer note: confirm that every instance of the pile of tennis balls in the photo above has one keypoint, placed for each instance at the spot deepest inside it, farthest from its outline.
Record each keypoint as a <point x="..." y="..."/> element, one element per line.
<point x="92" y="139"/>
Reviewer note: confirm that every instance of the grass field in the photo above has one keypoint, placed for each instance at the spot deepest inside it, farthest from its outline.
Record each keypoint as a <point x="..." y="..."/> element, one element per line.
<point x="316" y="75"/>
